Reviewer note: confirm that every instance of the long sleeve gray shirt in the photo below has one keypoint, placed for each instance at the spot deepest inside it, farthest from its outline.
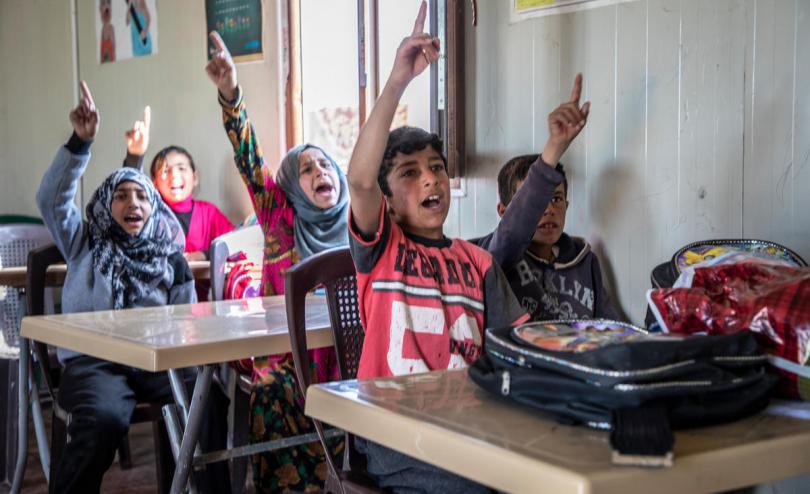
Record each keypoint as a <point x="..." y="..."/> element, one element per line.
<point x="85" y="289"/>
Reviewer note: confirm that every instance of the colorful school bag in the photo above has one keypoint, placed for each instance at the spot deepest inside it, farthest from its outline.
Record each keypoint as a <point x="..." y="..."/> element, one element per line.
<point x="726" y="286"/>
<point x="617" y="377"/>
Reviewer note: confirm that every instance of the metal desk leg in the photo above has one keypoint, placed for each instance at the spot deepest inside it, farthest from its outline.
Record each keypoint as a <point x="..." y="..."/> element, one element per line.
<point x="22" y="418"/>
<point x="192" y="432"/>
<point x="180" y="395"/>
<point x="43" y="446"/>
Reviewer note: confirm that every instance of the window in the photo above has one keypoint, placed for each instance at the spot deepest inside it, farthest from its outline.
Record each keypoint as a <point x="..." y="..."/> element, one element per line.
<point x="341" y="51"/>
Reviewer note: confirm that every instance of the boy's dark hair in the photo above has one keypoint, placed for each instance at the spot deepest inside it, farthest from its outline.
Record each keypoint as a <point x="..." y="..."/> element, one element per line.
<point x="516" y="170"/>
<point x="406" y="140"/>
<point x="159" y="161"/>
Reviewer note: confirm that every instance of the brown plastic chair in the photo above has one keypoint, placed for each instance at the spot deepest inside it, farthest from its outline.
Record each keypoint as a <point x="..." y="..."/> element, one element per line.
<point x="334" y="270"/>
<point x="38" y="261"/>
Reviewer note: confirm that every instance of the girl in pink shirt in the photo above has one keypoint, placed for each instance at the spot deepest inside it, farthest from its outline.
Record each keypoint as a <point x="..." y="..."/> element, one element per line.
<point x="175" y="176"/>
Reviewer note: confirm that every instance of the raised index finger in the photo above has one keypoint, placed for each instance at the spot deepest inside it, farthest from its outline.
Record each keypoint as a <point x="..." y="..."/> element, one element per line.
<point x="86" y="93"/>
<point x="216" y="40"/>
<point x="576" y="91"/>
<point x="147" y="117"/>
<point x="419" y="25"/>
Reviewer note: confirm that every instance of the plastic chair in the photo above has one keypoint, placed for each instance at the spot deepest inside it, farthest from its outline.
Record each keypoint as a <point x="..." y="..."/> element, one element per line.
<point x="250" y="241"/>
<point x="334" y="269"/>
<point x="16" y="239"/>
<point x="38" y="261"/>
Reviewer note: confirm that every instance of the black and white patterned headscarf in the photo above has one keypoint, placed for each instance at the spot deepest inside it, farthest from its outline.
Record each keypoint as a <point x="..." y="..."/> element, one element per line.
<point x="133" y="265"/>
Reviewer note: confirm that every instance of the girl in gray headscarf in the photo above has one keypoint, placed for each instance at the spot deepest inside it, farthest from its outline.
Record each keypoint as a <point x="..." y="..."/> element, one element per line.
<point x="317" y="189"/>
<point x="303" y="210"/>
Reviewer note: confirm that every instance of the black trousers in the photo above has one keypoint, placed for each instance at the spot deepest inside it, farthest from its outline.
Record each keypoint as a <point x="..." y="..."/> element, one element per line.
<point x="397" y="473"/>
<point x="100" y="397"/>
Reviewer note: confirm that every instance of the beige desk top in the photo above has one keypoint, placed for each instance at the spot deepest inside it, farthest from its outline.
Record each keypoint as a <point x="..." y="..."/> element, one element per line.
<point x="55" y="276"/>
<point x="445" y="419"/>
<point x="160" y="338"/>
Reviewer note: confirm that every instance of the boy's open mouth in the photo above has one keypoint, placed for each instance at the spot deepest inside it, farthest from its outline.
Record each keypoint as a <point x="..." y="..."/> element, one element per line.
<point x="432" y="202"/>
<point x="548" y="226"/>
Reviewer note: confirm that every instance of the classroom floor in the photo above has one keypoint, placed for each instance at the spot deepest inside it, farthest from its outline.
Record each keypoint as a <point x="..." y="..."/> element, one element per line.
<point x="140" y="479"/>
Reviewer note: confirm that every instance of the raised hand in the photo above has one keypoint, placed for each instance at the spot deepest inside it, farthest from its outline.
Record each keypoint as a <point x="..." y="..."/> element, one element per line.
<point x="415" y="53"/>
<point x="138" y="136"/>
<point x="85" y="117"/>
<point x="221" y="69"/>
<point x="565" y="123"/>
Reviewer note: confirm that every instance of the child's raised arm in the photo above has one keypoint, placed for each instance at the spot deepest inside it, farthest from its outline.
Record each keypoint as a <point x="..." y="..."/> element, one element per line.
<point x="414" y="55"/>
<point x="519" y="222"/>
<point x="565" y="123"/>
<point x="247" y="154"/>
<point x="137" y="139"/>
<point x="221" y="69"/>
<point x="55" y="197"/>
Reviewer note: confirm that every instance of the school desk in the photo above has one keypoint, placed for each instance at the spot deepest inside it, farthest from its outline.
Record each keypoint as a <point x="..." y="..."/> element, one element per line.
<point x="444" y="419"/>
<point x="167" y="338"/>
<point x="55" y="276"/>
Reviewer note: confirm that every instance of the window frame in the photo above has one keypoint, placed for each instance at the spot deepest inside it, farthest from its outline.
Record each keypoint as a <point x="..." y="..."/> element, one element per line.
<point x="448" y="123"/>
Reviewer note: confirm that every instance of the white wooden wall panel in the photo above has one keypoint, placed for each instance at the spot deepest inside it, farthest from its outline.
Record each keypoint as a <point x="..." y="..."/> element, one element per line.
<point x="699" y="128"/>
<point x="600" y="134"/>
<point x="663" y="124"/>
<point x="572" y="58"/>
<point x="37" y="91"/>
<point x="768" y="174"/>
<point x="625" y="240"/>
<point x="800" y="227"/>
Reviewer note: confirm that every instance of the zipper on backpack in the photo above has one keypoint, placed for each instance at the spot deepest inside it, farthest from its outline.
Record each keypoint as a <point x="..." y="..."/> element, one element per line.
<point x="505" y="382"/>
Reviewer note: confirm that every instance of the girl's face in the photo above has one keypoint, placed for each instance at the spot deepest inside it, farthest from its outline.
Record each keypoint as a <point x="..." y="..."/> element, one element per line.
<point x="318" y="178"/>
<point x="176" y="179"/>
<point x="104" y="7"/>
<point x="130" y="207"/>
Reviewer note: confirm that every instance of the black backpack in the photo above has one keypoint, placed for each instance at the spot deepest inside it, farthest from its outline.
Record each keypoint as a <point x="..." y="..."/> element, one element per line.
<point x="615" y="376"/>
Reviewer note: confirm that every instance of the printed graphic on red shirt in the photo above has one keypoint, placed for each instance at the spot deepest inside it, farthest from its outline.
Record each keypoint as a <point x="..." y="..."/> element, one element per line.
<point x="422" y="302"/>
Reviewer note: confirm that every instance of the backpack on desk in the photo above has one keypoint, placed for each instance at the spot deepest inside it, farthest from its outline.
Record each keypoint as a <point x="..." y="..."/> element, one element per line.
<point x="726" y="286"/>
<point x="665" y="274"/>
<point x="615" y="376"/>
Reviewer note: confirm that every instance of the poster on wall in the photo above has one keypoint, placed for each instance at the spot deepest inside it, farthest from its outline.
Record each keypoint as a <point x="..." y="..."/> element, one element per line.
<point x="239" y="23"/>
<point x="125" y="29"/>
<point x="526" y="9"/>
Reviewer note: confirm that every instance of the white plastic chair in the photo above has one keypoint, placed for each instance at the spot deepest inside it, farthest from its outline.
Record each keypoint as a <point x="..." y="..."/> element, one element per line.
<point x="16" y="240"/>
<point x="250" y="241"/>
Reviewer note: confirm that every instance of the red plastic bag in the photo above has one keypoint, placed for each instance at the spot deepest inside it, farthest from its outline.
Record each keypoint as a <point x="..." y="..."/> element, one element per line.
<point x="770" y="299"/>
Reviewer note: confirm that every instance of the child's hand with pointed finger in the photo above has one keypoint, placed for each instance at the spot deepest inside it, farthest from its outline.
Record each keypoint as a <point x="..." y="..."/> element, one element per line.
<point x="138" y="136"/>
<point x="221" y="69"/>
<point x="85" y="117"/>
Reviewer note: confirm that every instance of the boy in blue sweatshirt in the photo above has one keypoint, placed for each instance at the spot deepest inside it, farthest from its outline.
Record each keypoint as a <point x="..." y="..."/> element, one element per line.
<point x="553" y="275"/>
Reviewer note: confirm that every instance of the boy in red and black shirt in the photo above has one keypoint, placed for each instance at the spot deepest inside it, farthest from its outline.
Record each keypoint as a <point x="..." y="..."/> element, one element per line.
<point x="424" y="299"/>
